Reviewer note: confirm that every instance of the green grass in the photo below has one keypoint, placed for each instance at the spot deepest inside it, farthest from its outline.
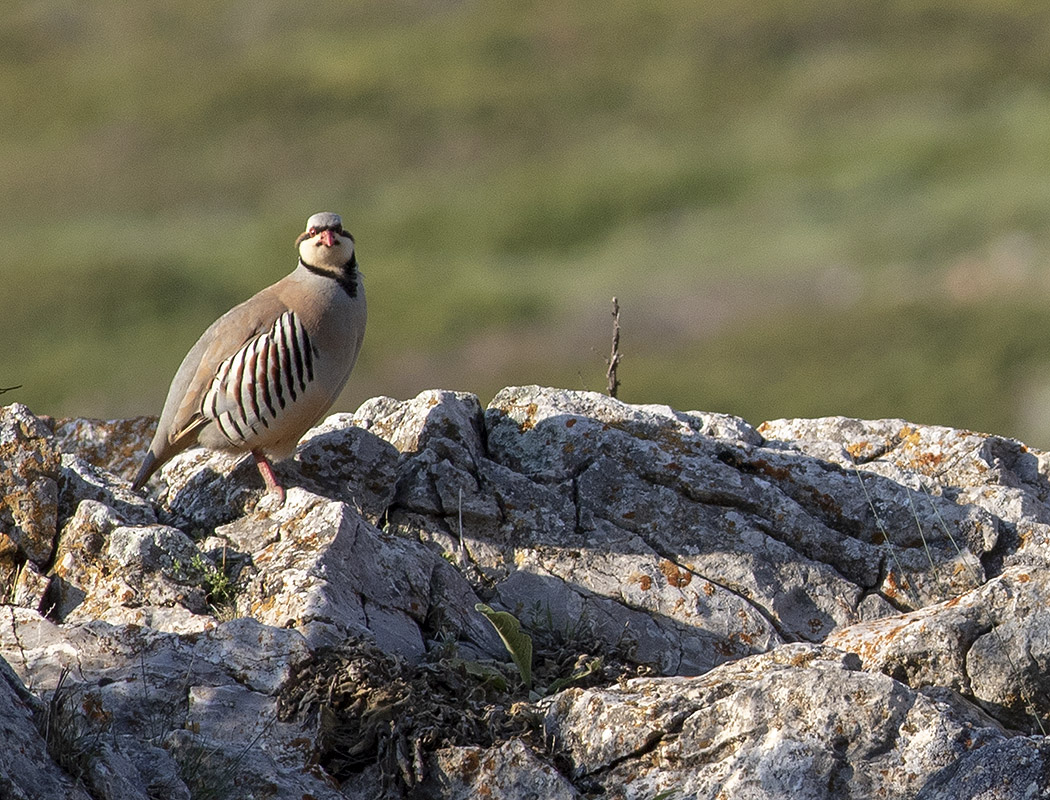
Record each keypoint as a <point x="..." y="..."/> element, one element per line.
<point x="507" y="168"/>
<point x="962" y="365"/>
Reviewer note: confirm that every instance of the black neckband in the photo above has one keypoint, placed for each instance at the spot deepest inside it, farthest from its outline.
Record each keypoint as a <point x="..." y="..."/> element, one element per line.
<point x="345" y="277"/>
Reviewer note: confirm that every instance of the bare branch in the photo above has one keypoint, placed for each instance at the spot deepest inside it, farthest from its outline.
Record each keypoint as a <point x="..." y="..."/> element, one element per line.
<point x="614" y="356"/>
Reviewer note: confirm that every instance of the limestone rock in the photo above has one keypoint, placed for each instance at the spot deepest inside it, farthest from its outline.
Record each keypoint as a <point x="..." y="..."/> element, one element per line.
<point x="510" y="770"/>
<point x="1010" y="769"/>
<point x="27" y="771"/>
<point x="341" y="460"/>
<point x="337" y="458"/>
<point x="81" y="480"/>
<point x="103" y="566"/>
<point x="115" y="446"/>
<point x="200" y="489"/>
<point x="29" y="473"/>
<point x="807" y="608"/>
<point x="195" y="709"/>
<point x="322" y="569"/>
<point x="799" y="721"/>
<point x="29" y="587"/>
<point x="990" y="644"/>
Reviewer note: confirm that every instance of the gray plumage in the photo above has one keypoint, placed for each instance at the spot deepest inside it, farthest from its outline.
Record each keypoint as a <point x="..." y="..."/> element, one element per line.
<point x="269" y="368"/>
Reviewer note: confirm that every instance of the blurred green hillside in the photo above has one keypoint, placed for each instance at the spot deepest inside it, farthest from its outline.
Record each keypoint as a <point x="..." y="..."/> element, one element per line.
<point x="804" y="208"/>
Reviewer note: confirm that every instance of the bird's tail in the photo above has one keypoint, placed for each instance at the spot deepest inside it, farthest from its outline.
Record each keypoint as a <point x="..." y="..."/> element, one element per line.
<point x="149" y="466"/>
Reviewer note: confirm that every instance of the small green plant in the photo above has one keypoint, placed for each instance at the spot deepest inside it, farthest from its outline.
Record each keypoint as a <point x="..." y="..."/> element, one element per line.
<point x="485" y="674"/>
<point x="518" y="644"/>
<point x="205" y="773"/>
<point x="583" y="671"/>
<point x="208" y="772"/>
<point x="219" y="588"/>
<point x="73" y="724"/>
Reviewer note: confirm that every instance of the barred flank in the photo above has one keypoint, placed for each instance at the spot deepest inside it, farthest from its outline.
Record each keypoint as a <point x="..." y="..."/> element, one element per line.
<point x="252" y="387"/>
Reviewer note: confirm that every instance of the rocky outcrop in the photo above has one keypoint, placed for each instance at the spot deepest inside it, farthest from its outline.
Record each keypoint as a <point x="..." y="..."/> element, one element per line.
<point x="809" y="609"/>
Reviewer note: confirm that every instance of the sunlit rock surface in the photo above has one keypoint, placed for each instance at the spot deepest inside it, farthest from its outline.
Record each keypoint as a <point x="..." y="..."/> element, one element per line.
<point x="810" y="608"/>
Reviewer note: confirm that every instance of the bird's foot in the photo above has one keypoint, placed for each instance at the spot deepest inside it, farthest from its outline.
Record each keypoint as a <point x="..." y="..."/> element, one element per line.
<point x="273" y="486"/>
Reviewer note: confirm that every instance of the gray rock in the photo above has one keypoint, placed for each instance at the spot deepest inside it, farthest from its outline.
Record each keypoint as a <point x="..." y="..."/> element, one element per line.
<point x="322" y="569"/>
<point x="339" y="460"/>
<point x="1011" y="769"/>
<point x="799" y="722"/>
<point x="27" y="771"/>
<point x="509" y="770"/>
<point x="204" y="705"/>
<point x="991" y="644"/>
<point x="200" y="490"/>
<point x="103" y="566"/>
<point x="29" y="587"/>
<point x="199" y="638"/>
<point x="695" y="499"/>
<point x="29" y="474"/>
<point x="115" y="446"/>
<point x="81" y="480"/>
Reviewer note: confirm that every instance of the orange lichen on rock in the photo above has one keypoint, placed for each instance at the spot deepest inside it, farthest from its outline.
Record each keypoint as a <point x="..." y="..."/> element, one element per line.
<point x="676" y="577"/>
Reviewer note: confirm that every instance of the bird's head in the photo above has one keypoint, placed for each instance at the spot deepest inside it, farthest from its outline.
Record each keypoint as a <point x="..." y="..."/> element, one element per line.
<point x="325" y="244"/>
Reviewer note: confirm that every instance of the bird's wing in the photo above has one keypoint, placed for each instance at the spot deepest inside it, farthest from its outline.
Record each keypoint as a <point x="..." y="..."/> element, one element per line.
<point x="253" y="386"/>
<point x="230" y="335"/>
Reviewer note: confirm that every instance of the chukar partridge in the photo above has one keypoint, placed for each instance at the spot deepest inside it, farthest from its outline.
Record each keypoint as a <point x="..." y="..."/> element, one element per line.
<point x="269" y="368"/>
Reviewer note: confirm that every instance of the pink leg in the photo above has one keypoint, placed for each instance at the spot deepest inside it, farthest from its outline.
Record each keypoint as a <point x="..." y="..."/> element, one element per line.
<point x="268" y="477"/>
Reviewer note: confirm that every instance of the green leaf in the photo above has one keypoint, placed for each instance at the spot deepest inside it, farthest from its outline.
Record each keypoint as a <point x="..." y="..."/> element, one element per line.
<point x="518" y="644"/>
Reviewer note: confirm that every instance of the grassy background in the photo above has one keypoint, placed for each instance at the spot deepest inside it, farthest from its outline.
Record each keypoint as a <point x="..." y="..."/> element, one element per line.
<point x="805" y="208"/>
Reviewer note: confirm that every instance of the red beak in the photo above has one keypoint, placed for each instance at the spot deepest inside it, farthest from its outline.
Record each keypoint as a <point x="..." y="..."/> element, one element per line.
<point x="327" y="238"/>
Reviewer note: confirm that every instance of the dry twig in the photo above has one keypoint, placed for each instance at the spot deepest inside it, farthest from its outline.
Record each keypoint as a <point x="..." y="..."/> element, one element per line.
<point x="614" y="356"/>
